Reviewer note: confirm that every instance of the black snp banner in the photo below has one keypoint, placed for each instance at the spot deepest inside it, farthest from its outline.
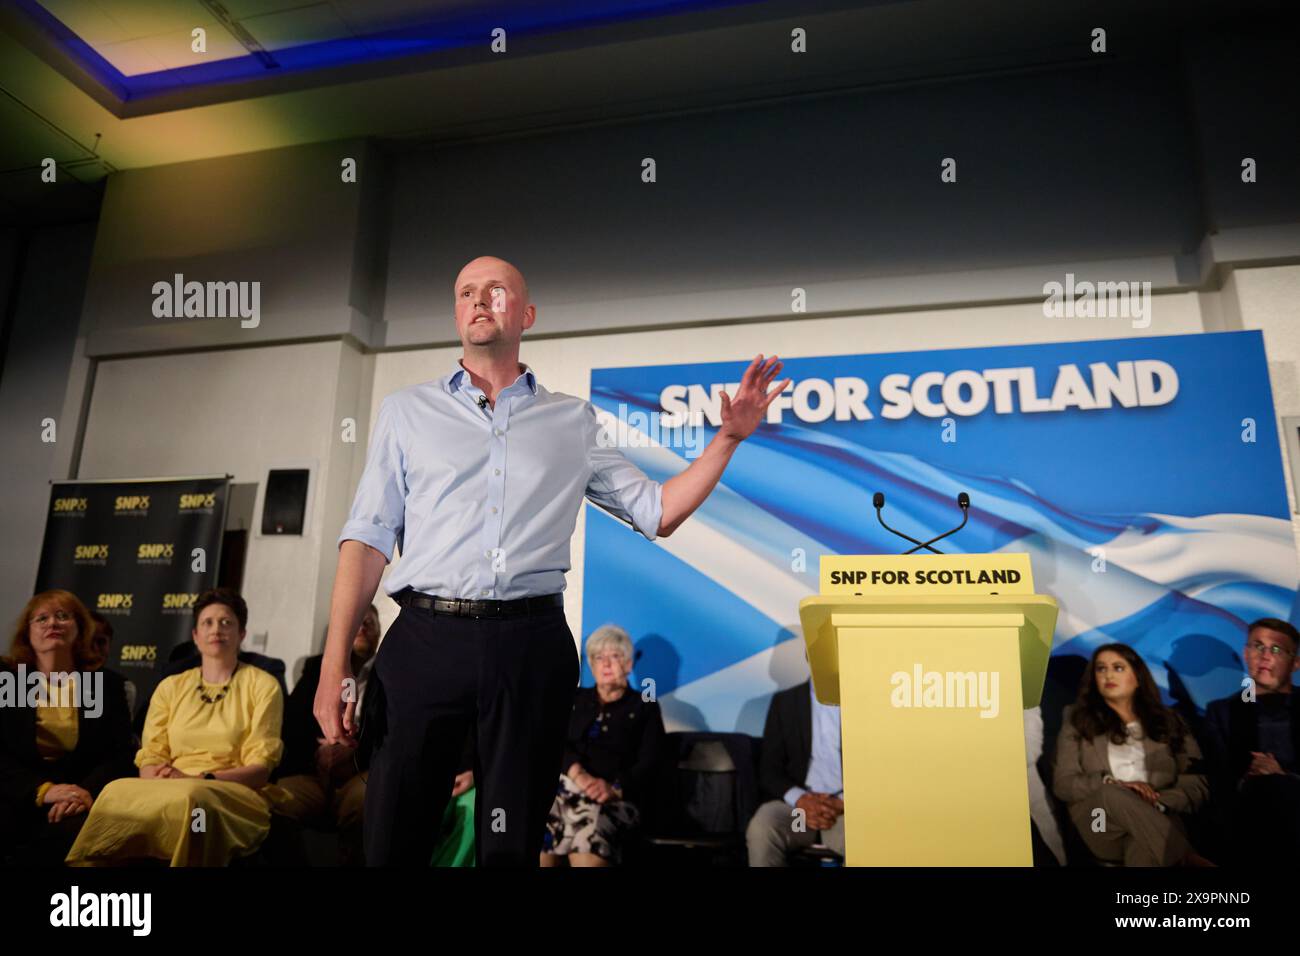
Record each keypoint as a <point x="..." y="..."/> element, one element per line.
<point x="139" y="551"/>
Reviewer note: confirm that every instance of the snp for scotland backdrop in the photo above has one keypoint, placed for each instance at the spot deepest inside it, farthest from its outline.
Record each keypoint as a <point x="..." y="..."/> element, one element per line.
<point x="1142" y="476"/>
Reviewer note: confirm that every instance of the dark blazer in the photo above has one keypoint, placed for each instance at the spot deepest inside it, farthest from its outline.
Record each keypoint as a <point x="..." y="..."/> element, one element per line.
<point x="625" y="749"/>
<point x="105" y="749"/>
<point x="787" y="742"/>
<point x="1082" y="765"/>
<point x="1232" y="731"/>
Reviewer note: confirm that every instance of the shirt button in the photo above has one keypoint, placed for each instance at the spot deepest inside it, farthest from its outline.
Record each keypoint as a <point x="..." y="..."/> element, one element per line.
<point x="487" y="554"/>
<point x="486" y="592"/>
<point x="494" y="509"/>
<point x="496" y="471"/>
<point x="498" y="432"/>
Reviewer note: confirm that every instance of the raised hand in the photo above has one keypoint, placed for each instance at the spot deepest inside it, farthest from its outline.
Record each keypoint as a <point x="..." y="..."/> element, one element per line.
<point x="742" y="414"/>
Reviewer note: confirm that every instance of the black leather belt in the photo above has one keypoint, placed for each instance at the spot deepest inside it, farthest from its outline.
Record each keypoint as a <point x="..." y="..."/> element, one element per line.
<point x="468" y="607"/>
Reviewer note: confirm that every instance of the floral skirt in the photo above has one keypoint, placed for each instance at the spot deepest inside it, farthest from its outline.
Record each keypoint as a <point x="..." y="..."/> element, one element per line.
<point x="578" y="824"/>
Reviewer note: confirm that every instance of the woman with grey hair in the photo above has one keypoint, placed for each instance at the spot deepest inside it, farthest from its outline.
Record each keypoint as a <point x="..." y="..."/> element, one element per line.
<point x="615" y="736"/>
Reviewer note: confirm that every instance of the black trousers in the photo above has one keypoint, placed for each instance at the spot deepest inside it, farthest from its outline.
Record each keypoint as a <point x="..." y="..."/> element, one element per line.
<point x="439" y="677"/>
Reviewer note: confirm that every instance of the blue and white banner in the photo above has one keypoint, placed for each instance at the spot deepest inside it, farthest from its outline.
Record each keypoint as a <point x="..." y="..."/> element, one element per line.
<point x="1142" y="476"/>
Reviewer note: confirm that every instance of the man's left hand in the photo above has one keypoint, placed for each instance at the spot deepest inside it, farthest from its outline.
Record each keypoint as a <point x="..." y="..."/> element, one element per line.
<point x="742" y="414"/>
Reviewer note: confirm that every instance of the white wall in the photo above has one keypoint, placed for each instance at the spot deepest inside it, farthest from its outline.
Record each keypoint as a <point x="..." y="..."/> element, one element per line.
<point x="1269" y="300"/>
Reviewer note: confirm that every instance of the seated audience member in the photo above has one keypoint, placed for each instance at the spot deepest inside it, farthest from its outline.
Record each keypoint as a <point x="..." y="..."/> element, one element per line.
<point x="799" y="769"/>
<point x="185" y="656"/>
<point x="320" y="780"/>
<point x="211" y="740"/>
<point x="102" y="644"/>
<point x="456" y="838"/>
<point x="1127" y="767"/>
<point x="613" y="749"/>
<point x="55" y="758"/>
<point x="1252" y="744"/>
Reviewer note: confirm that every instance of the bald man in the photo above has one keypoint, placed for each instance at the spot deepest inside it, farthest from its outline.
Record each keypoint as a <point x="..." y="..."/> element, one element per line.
<point x="476" y="478"/>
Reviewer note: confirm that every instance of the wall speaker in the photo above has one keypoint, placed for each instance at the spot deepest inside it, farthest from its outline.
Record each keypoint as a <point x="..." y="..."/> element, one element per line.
<point x="285" y="502"/>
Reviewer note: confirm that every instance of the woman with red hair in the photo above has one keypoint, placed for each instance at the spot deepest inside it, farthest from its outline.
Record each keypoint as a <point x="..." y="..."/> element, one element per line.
<point x="56" y="756"/>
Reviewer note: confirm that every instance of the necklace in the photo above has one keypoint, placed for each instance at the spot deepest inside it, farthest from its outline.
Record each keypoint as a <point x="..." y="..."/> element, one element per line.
<point x="225" y="688"/>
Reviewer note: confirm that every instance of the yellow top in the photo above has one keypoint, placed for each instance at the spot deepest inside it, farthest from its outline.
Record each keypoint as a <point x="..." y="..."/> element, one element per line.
<point x="56" y="733"/>
<point x="241" y="729"/>
<point x="56" y="730"/>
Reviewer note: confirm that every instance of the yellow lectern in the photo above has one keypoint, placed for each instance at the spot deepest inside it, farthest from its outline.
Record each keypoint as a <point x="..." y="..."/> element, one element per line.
<point x="932" y="660"/>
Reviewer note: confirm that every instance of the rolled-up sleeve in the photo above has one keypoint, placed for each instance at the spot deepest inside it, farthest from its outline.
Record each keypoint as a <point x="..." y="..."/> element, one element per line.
<point x="619" y="486"/>
<point x="379" y="509"/>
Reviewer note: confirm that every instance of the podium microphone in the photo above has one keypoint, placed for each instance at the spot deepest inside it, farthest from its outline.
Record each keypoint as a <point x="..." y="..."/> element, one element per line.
<point x="963" y="502"/>
<point x="878" y="500"/>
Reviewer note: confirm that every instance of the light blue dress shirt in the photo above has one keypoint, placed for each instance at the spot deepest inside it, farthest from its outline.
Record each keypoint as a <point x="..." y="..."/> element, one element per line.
<point x="482" y="502"/>
<point x="825" y="771"/>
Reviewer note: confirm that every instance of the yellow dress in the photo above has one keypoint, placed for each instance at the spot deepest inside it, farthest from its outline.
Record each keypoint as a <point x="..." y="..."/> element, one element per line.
<point x="160" y="817"/>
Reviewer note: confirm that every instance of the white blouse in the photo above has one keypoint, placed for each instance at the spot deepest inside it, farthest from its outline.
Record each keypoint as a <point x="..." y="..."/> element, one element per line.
<point x="1128" y="761"/>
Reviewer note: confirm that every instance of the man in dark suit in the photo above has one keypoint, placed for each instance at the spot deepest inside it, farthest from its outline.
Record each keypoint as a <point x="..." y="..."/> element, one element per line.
<point x="1252" y="748"/>
<point x="800" y="779"/>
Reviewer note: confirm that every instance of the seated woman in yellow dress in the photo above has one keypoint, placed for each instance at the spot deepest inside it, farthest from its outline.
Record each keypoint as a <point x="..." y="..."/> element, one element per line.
<point x="211" y="740"/>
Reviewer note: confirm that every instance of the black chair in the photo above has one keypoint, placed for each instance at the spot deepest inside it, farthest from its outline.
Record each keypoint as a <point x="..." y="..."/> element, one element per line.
<point x="707" y="793"/>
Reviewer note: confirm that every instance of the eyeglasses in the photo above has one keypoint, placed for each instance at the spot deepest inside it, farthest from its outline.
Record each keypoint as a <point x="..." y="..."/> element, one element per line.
<point x="609" y="658"/>
<point x="63" y="617"/>
<point x="1277" y="650"/>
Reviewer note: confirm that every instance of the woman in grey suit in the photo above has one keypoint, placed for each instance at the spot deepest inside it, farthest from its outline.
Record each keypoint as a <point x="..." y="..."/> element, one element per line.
<point x="1128" y="767"/>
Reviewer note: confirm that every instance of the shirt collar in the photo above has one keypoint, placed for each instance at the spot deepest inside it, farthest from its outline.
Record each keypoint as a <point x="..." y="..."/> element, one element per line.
<point x="453" y="381"/>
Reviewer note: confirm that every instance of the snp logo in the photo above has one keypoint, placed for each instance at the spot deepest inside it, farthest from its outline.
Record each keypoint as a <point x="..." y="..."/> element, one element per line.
<point x="193" y="502"/>
<point x="155" y="553"/>
<point x="69" y="505"/>
<point x="91" y="552"/>
<point x="114" y="601"/>
<point x="139" y="652"/>
<point x="131" y="504"/>
<point x="179" y="601"/>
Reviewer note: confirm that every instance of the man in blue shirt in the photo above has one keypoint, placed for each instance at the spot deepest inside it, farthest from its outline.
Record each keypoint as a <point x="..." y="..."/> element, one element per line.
<point x="476" y="478"/>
